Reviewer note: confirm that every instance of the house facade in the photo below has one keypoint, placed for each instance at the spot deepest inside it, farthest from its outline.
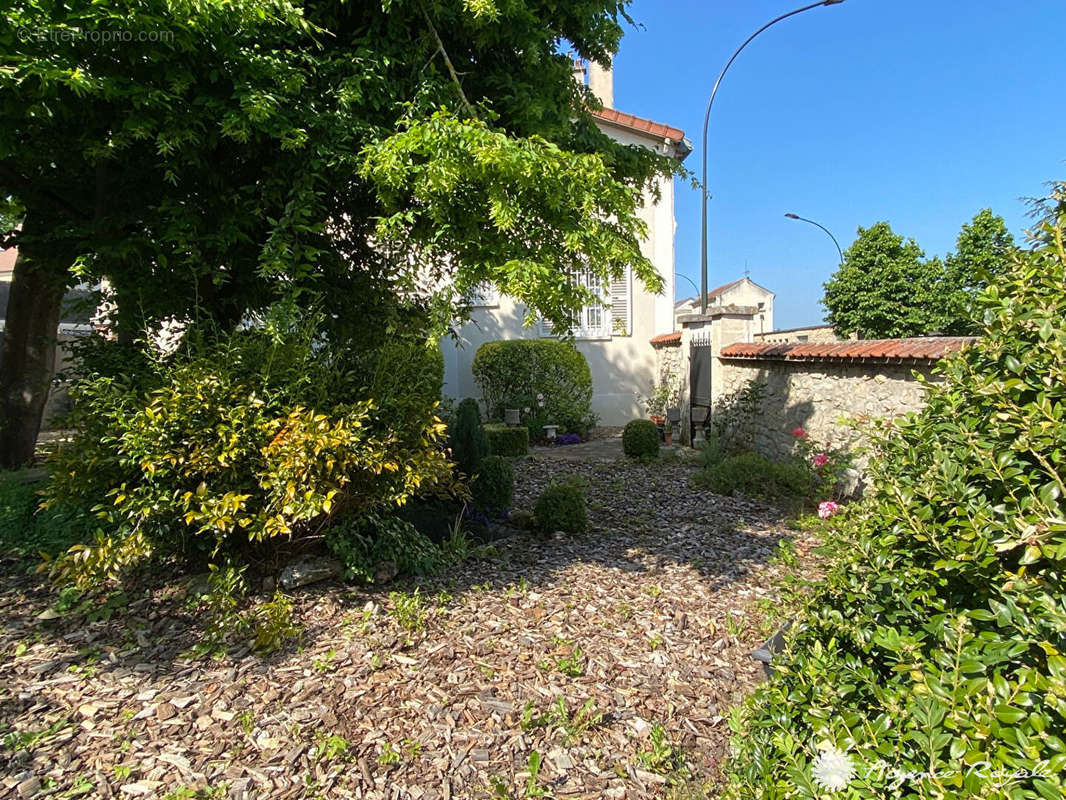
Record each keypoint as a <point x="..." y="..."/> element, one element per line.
<point x="614" y="339"/>
<point x="744" y="293"/>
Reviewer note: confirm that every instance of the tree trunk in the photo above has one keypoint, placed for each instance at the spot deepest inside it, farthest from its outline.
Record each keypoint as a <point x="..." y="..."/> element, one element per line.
<point x="28" y="355"/>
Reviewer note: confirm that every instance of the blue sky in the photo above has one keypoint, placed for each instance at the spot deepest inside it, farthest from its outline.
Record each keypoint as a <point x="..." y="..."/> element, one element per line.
<point x="919" y="112"/>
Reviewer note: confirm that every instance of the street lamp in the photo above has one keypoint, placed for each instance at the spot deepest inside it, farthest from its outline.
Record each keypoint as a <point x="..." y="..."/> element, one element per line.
<point x="827" y="233"/>
<point x="706" y="120"/>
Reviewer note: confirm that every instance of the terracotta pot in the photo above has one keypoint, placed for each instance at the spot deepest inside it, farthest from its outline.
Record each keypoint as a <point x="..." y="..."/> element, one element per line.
<point x="657" y="419"/>
<point x="669" y="437"/>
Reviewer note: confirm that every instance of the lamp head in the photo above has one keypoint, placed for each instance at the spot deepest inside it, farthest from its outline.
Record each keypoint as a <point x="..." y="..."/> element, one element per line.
<point x="832" y="2"/>
<point x="796" y="216"/>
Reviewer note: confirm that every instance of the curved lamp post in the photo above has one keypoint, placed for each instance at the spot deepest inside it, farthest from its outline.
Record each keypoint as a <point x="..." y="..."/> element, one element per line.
<point x="827" y="233"/>
<point x="706" y="120"/>
<point x="687" y="278"/>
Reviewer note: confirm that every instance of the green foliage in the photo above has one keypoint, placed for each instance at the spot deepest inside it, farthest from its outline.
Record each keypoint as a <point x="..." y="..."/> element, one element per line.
<point x="408" y="610"/>
<point x="507" y="440"/>
<point x="933" y="654"/>
<point x="26" y="530"/>
<point x="493" y="489"/>
<point x="273" y="626"/>
<point x="640" y="439"/>
<point x="365" y="544"/>
<point x="548" y="380"/>
<point x="239" y="439"/>
<point x="469" y="444"/>
<point x="662" y="756"/>
<point x="734" y="421"/>
<point x="886" y="287"/>
<point x="756" y="476"/>
<point x="561" y="507"/>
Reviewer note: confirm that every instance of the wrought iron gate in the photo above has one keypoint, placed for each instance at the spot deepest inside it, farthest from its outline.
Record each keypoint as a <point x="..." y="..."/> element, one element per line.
<point x="699" y="391"/>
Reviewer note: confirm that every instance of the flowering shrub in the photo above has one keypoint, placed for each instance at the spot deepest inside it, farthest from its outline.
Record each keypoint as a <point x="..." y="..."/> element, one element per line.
<point x="931" y="661"/>
<point x="828" y="464"/>
<point x="827" y="508"/>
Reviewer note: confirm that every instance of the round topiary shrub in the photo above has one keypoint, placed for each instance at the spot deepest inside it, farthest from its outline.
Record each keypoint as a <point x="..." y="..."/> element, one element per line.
<point x="469" y="444"/>
<point x="548" y="380"/>
<point x="561" y="507"/>
<point x="640" y="439"/>
<point x="507" y="440"/>
<point x="493" y="489"/>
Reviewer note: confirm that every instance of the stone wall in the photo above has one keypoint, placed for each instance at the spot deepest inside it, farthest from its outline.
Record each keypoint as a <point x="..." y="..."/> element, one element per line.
<point x="668" y="362"/>
<point x="815" y="334"/>
<point x="821" y="397"/>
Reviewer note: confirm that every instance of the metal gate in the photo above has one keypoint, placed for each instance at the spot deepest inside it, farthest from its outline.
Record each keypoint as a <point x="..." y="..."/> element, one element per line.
<point x="699" y="391"/>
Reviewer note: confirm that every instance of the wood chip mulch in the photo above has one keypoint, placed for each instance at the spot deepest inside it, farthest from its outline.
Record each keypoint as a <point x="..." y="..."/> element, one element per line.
<point x="647" y="621"/>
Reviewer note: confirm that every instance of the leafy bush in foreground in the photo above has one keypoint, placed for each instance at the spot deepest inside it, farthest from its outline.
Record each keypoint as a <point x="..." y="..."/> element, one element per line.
<point x="640" y="439"/>
<point x="237" y="442"/>
<point x="931" y="662"/>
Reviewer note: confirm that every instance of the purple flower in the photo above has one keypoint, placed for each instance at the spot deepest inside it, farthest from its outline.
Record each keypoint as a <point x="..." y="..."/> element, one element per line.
<point x="827" y="509"/>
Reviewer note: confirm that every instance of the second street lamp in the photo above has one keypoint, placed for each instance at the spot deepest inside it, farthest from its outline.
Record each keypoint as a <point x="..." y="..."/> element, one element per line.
<point x="706" y="120"/>
<point x="827" y="233"/>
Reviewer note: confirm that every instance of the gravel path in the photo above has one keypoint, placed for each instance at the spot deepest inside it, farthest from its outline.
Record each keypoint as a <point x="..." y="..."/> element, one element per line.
<point x="633" y="623"/>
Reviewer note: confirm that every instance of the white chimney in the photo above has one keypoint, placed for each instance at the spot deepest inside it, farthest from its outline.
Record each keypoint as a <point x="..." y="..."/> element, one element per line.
<point x="601" y="83"/>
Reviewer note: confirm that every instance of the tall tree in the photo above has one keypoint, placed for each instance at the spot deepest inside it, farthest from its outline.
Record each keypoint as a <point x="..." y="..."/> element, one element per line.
<point x="983" y="252"/>
<point x="884" y="289"/>
<point x="212" y="157"/>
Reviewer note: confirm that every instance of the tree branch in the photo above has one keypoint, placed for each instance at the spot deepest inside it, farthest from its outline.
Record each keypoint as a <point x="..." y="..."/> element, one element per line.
<point x="28" y="187"/>
<point x="448" y="62"/>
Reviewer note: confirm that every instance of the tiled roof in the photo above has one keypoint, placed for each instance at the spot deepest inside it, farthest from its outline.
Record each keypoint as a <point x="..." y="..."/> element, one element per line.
<point x="666" y="339"/>
<point x="636" y="123"/>
<point x="927" y="348"/>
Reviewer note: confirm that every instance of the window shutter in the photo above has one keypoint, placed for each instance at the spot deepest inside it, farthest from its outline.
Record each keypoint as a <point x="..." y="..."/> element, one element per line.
<point x="484" y="295"/>
<point x="622" y="305"/>
<point x="546" y="328"/>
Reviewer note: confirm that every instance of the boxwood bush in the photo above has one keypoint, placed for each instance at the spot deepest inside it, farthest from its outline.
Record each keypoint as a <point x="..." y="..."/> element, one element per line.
<point x="931" y="661"/>
<point x="507" y="440"/>
<point x="640" y="439"/>
<point x="526" y="373"/>
<point x="493" y="489"/>
<point x="561" y="507"/>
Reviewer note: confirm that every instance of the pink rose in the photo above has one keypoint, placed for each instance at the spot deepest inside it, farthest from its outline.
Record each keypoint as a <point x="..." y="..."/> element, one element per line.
<point x="827" y="509"/>
<point x="820" y="460"/>
<point x="799" y="433"/>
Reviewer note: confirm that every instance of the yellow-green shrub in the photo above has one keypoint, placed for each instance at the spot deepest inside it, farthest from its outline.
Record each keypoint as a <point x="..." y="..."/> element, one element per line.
<point x="237" y="440"/>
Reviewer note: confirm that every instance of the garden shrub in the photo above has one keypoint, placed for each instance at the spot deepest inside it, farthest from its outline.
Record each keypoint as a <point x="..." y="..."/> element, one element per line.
<point x="469" y="444"/>
<point x="493" y="489"/>
<point x="931" y="661"/>
<point x="26" y="529"/>
<point x="363" y="545"/>
<point x="561" y="507"/>
<point x="731" y="427"/>
<point x="507" y="440"/>
<point x="236" y="442"/>
<point x="756" y="476"/>
<point x="547" y="380"/>
<point x="640" y="439"/>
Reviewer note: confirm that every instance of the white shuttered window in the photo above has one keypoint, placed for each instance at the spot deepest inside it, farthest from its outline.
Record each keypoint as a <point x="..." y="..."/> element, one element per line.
<point x="612" y="316"/>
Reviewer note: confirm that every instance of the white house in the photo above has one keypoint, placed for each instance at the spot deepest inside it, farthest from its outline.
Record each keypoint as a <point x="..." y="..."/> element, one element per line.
<point x="615" y="340"/>
<point x="741" y="292"/>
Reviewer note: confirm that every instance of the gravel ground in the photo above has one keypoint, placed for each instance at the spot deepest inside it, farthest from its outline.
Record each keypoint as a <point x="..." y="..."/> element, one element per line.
<point x="639" y="624"/>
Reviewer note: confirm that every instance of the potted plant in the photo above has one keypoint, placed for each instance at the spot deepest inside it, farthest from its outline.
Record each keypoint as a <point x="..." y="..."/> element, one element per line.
<point x="667" y="432"/>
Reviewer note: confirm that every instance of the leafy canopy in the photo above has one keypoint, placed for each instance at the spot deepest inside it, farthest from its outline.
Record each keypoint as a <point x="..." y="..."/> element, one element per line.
<point x="886" y="288"/>
<point x="228" y="153"/>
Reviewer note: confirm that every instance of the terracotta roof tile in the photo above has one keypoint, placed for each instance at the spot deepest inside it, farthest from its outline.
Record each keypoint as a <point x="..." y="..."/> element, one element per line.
<point x="636" y="123"/>
<point x="927" y="348"/>
<point x="666" y="338"/>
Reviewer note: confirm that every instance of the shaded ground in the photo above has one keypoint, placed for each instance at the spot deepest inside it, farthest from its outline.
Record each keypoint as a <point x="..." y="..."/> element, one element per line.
<point x="638" y="623"/>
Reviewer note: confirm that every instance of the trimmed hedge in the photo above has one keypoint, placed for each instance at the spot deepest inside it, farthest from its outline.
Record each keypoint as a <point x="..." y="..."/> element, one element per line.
<point x="561" y="507"/>
<point x="493" y="489"/>
<point x="512" y="373"/>
<point x="507" y="440"/>
<point x="640" y="439"/>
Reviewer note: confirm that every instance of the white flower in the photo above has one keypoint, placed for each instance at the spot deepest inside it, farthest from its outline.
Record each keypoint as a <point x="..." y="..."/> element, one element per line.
<point x="540" y="396"/>
<point x="833" y="769"/>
